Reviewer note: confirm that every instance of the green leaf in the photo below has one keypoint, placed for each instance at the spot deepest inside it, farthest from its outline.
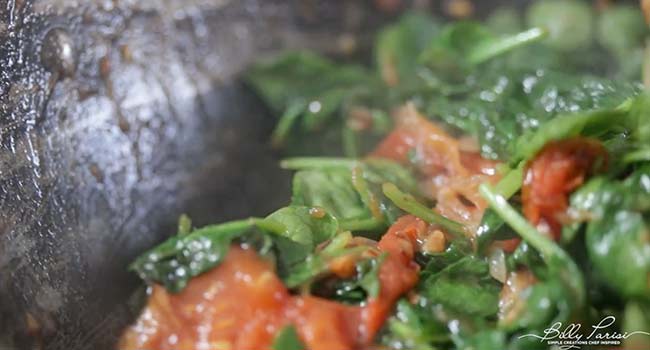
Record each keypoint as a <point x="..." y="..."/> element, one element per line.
<point x="462" y="45"/>
<point x="369" y="276"/>
<point x="638" y="120"/>
<point x="174" y="262"/>
<point x="303" y="86"/>
<point x="397" y="46"/>
<point x="618" y="231"/>
<point x="300" y="76"/>
<point x="412" y="327"/>
<point x="330" y="189"/>
<point x="565" y="126"/>
<point x="409" y="204"/>
<point x="287" y="339"/>
<point x="483" y="340"/>
<point x="308" y="226"/>
<point x="289" y="117"/>
<point x="465" y="287"/>
<point x="350" y="189"/>
<point x="293" y="232"/>
<point x="489" y="49"/>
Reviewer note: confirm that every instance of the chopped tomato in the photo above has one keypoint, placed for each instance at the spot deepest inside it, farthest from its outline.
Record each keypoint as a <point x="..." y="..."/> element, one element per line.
<point x="434" y="150"/>
<point x="451" y="173"/>
<point x="398" y="272"/>
<point x="242" y="304"/>
<point x="558" y="169"/>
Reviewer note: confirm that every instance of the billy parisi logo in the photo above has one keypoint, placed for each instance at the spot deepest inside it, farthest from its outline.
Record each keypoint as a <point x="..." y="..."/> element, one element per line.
<point x="570" y="337"/>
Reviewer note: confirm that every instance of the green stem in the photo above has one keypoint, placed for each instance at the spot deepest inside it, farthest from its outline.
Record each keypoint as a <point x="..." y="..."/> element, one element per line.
<point x="555" y="257"/>
<point x="511" y="182"/>
<point x="500" y="46"/>
<point x="637" y="156"/>
<point x="407" y="203"/>
<point x="270" y="225"/>
<point x="369" y="224"/>
<point x="299" y="163"/>
<point x="288" y="119"/>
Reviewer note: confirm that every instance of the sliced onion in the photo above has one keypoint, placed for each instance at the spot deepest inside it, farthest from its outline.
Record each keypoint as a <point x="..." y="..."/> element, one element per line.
<point x="497" y="262"/>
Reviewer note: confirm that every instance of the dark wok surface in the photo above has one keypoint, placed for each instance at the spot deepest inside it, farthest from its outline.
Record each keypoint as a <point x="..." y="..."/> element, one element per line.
<point x="117" y="116"/>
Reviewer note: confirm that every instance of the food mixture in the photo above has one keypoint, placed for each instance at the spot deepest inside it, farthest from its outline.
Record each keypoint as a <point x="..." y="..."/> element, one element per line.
<point x="477" y="183"/>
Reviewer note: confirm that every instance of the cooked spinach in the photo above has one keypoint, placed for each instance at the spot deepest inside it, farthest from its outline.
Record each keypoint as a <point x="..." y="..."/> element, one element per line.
<point x="464" y="287"/>
<point x="350" y="189"/>
<point x="513" y="90"/>
<point x="294" y="231"/>
<point x="174" y="262"/>
<point x="287" y="339"/>
<point x="618" y="230"/>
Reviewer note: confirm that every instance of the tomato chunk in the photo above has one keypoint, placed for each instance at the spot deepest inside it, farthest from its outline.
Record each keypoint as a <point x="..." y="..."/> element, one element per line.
<point x="450" y="171"/>
<point x="242" y="304"/>
<point x="558" y="169"/>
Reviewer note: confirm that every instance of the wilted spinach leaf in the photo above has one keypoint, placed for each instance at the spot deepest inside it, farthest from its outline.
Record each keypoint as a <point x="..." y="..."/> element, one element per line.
<point x="350" y="189"/>
<point x="462" y="45"/>
<point x="465" y="287"/>
<point x="287" y="339"/>
<point x="174" y="262"/>
<point x="398" y="46"/>
<point x="305" y="86"/>
<point x="413" y="327"/>
<point x="308" y="226"/>
<point x="291" y="231"/>
<point x="618" y="232"/>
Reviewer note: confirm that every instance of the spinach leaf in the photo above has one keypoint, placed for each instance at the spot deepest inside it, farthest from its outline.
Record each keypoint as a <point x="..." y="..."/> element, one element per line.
<point x="287" y="339"/>
<point x="174" y="262"/>
<point x="462" y="45"/>
<point x="303" y="75"/>
<point x="483" y="340"/>
<point x="307" y="226"/>
<point x="350" y="189"/>
<point x="331" y="189"/>
<point x="398" y="46"/>
<point x="618" y="230"/>
<point x="465" y="287"/>
<point x="304" y="85"/>
<point x="504" y="106"/>
<point x="412" y="327"/>
<point x="292" y="231"/>
<point x="566" y="126"/>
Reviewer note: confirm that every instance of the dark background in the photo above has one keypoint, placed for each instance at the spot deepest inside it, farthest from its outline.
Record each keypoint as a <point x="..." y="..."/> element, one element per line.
<point x="118" y="115"/>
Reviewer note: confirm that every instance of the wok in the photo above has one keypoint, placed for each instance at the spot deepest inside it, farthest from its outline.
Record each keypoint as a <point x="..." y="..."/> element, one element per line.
<point x="116" y="116"/>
